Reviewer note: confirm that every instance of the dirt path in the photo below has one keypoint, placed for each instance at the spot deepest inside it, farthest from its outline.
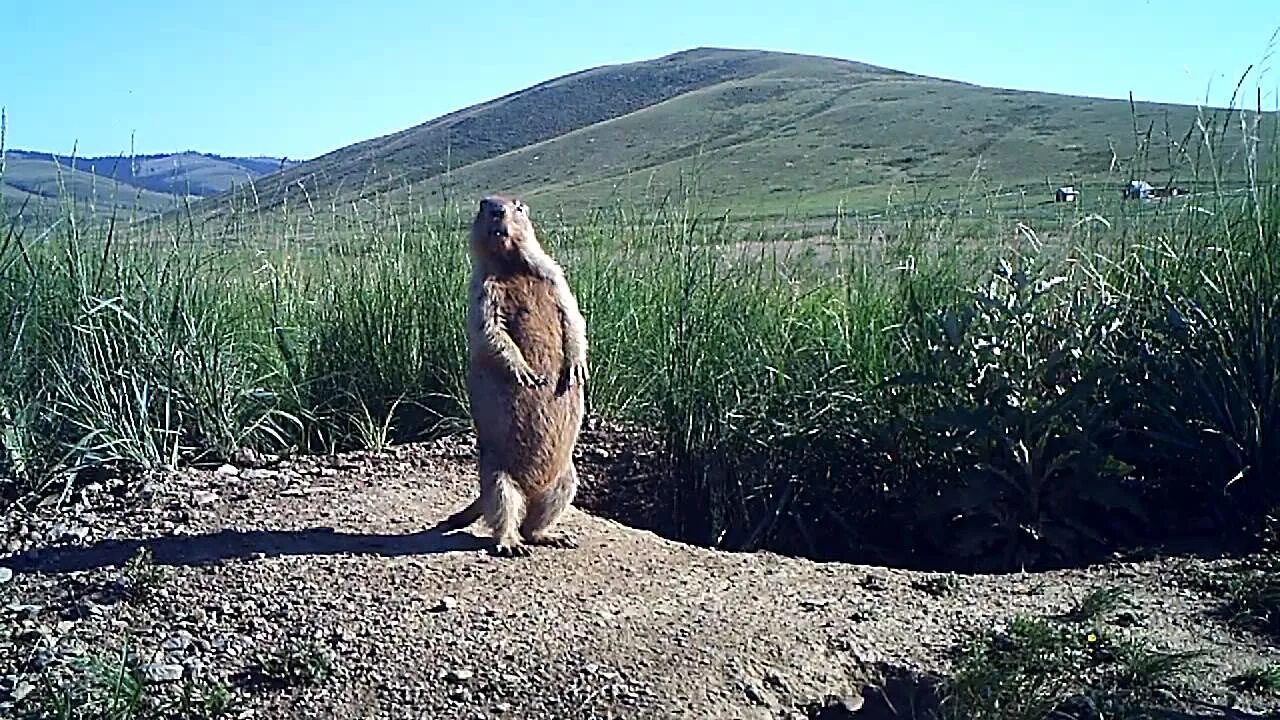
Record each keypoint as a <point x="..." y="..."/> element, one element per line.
<point x="423" y="625"/>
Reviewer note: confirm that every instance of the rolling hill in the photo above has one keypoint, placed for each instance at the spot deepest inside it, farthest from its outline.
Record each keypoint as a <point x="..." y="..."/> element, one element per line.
<point x="148" y="183"/>
<point x="762" y="132"/>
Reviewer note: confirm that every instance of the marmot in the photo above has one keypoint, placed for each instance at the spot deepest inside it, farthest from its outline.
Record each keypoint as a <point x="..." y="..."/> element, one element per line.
<point x="527" y="342"/>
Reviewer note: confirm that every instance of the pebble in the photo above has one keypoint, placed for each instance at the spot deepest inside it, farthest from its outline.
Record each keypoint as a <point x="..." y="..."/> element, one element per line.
<point x="5" y="575"/>
<point x="77" y="534"/>
<point x="259" y="474"/>
<point x="847" y="703"/>
<point x="227" y="470"/>
<point x="24" y="611"/>
<point x="444" y="604"/>
<point x="459" y="675"/>
<point x="200" y="498"/>
<point x="161" y="672"/>
<point x="22" y="690"/>
<point x="180" y="640"/>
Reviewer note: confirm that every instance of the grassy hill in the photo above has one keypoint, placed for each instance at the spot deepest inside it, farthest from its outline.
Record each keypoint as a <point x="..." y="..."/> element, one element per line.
<point x="761" y="132"/>
<point x="147" y="183"/>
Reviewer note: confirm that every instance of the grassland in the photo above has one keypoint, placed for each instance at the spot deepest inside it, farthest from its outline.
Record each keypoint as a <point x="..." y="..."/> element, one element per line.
<point x="954" y="385"/>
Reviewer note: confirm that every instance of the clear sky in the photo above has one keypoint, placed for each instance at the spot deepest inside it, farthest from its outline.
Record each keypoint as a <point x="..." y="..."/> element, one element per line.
<point x="299" y="78"/>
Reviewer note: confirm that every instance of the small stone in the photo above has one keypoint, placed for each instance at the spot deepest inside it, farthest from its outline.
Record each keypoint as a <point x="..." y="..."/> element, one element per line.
<point x="161" y="672"/>
<point x="22" y="690"/>
<point x="76" y="534"/>
<point x="773" y="677"/>
<point x="459" y="675"/>
<point x="847" y="703"/>
<point x="24" y="611"/>
<point x="227" y="470"/>
<point x="178" y="641"/>
<point x="5" y="575"/>
<point x="445" y="604"/>
<point x="328" y="472"/>
<point x="200" y="498"/>
<point x="258" y="474"/>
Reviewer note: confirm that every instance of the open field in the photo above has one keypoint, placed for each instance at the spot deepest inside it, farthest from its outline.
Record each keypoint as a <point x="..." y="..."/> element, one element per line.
<point x="978" y="391"/>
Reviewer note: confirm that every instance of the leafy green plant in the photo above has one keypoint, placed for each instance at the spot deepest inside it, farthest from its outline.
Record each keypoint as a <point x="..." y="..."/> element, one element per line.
<point x="1020" y="378"/>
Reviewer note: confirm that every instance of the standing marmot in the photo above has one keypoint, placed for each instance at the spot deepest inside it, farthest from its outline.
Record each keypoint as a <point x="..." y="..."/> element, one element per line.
<point x="528" y="365"/>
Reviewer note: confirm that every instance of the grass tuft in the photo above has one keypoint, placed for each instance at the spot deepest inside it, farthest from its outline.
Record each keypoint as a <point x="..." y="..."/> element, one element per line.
<point x="1257" y="681"/>
<point x="297" y="664"/>
<point x="1042" y="667"/>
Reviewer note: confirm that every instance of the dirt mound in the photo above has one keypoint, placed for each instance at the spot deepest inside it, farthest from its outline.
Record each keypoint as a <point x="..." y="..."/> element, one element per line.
<point x="329" y="562"/>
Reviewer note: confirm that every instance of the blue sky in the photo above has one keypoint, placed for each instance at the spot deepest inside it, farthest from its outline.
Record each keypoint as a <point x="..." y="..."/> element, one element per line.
<point x="295" y="78"/>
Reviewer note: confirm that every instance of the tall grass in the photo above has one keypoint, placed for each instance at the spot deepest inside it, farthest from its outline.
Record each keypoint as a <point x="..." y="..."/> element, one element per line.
<point x="955" y="388"/>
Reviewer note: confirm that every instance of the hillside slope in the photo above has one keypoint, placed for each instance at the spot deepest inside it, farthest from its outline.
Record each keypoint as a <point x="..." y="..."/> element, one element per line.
<point x="38" y="190"/>
<point x="759" y="131"/>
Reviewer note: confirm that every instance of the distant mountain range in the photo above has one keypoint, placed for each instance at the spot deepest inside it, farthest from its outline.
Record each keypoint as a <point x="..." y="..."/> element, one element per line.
<point x="147" y="182"/>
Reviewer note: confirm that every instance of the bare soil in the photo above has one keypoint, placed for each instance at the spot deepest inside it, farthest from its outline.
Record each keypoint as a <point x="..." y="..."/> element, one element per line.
<point x="338" y="551"/>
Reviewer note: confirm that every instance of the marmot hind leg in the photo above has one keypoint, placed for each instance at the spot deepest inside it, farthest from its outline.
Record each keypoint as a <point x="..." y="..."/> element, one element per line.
<point x="545" y="510"/>
<point x="503" y="506"/>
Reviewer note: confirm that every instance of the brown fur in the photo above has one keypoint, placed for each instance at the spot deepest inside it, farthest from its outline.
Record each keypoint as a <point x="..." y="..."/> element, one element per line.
<point x="528" y="365"/>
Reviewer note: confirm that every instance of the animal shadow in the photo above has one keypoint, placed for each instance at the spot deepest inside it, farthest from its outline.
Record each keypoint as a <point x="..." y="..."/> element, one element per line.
<point x="213" y="548"/>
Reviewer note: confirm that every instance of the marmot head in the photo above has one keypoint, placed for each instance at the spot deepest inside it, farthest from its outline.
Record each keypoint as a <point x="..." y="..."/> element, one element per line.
<point x="502" y="228"/>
